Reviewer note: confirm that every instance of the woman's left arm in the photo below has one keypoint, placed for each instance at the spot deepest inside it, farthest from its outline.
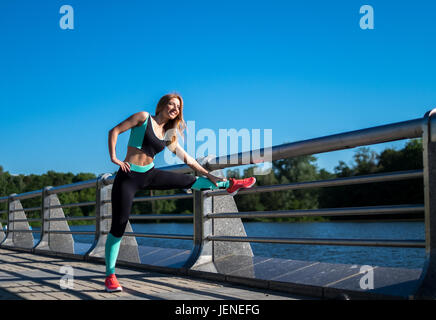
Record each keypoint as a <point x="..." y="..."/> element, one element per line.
<point x="192" y="163"/>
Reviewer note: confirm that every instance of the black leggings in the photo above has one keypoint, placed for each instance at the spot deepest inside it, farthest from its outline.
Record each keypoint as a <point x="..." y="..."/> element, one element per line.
<point x="126" y="184"/>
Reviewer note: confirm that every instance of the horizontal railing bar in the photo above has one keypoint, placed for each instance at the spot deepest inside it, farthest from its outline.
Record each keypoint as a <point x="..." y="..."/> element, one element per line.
<point x="72" y="205"/>
<point x="18" y="230"/>
<point x="157" y="235"/>
<point x="372" y="210"/>
<point x="4" y="199"/>
<point x="26" y="195"/>
<point x="335" y="242"/>
<point x="26" y="209"/>
<point x="160" y="216"/>
<point x="3" y="211"/>
<point x="73" y="186"/>
<point x="164" y="197"/>
<point x="381" y="177"/>
<point x="71" y="218"/>
<point x="69" y="205"/>
<point x="346" y="140"/>
<point x="69" y="232"/>
<point x="25" y="220"/>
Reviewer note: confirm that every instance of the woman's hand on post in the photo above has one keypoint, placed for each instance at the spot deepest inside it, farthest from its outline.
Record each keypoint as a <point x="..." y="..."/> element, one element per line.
<point x="125" y="166"/>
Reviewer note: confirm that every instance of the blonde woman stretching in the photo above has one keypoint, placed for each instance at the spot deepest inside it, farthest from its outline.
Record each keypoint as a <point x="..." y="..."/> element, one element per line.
<point x="148" y="136"/>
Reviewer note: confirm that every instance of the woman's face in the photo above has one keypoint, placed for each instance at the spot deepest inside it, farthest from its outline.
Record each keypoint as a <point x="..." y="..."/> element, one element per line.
<point x="173" y="108"/>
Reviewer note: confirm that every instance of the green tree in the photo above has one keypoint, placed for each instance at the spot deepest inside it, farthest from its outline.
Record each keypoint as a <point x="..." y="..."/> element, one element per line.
<point x="283" y="171"/>
<point x="384" y="193"/>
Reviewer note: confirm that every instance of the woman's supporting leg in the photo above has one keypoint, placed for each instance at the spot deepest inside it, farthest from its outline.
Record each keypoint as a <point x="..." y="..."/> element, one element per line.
<point x="124" y="189"/>
<point x="112" y="248"/>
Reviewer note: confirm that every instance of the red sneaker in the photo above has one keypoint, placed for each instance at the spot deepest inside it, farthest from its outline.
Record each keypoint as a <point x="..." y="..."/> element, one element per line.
<point x="236" y="184"/>
<point x="111" y="284"/>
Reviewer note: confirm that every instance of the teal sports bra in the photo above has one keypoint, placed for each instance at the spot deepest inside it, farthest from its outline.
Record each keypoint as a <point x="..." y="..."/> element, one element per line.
<point x="143" y="137"/>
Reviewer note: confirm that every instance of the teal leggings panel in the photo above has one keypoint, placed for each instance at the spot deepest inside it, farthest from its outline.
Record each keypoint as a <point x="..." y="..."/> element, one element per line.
<point x="205" y="183"/>
<point x="112" y="247"/>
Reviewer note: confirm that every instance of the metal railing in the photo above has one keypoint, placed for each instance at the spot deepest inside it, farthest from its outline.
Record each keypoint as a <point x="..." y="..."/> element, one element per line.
<point x="203" y="214"/>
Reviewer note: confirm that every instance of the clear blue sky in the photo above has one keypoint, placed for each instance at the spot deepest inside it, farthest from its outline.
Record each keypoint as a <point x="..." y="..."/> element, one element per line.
<point x="303" y="69"/>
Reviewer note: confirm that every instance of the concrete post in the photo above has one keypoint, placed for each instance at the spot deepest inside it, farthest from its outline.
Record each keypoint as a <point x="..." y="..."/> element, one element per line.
<point x="228" y="227"/>
<point x="17" y="239"/>
<point x="56" y="242"/>
<point x="427" y="288"/>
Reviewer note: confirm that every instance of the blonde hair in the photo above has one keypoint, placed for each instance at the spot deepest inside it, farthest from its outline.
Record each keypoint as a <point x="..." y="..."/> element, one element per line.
<point x="176" y="124"/>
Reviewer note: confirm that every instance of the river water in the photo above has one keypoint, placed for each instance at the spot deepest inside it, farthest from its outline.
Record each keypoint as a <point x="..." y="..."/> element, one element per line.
<point x="374" y="256"/>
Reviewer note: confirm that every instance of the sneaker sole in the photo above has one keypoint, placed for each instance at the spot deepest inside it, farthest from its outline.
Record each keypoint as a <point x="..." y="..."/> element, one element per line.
<point x="119" y="289"/>
<point x="235" y="192"/>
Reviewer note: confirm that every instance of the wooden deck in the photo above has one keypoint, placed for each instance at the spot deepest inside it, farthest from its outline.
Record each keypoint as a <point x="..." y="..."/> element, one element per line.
<point x="27" y="276"/>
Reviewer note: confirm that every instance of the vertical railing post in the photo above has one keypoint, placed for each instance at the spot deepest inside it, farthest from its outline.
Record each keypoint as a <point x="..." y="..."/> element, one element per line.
<point x="8" y="213"/>
<point x="427" y="287"/>
<point x="202" y="251"/>
<point x="103" y="213"/>
<point x="2" y="233"/>
<point x="9" y="238"/>
<point x="45" y="215"/>
<point x="99" y="207"/>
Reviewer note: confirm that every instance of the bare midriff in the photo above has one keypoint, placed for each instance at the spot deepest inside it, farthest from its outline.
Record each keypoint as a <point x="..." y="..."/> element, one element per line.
<point x="137" y="157"/>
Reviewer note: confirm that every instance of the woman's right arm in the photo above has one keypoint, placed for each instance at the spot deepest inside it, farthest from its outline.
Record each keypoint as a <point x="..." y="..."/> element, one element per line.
<point x="127" y="124"/>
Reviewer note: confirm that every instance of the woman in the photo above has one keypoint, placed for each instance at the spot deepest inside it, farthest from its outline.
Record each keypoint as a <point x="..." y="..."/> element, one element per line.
<point x="149" y="135"/>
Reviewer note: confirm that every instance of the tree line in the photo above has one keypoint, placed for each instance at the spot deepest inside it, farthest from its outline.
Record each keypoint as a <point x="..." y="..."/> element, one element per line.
<point x="303" y="168"/>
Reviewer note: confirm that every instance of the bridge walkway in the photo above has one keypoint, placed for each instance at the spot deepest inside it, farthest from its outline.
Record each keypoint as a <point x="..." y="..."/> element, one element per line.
<point x="27" y="276"/>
